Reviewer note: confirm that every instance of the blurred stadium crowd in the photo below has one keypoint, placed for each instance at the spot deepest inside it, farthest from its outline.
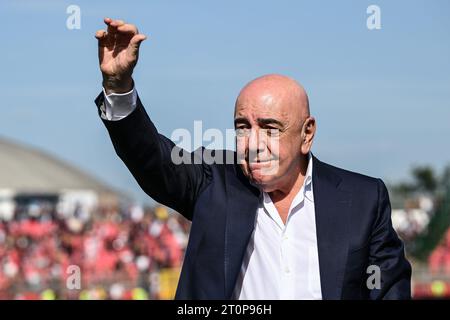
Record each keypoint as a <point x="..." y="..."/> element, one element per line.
<point x="136" y="252"/>
<point x="122" y="253"/>
<point x="421" y="217"/>
<point x="439" y="260"/>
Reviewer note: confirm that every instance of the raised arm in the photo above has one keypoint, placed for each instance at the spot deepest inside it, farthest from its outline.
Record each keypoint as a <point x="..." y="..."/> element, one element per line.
<point x="146" y="153"/>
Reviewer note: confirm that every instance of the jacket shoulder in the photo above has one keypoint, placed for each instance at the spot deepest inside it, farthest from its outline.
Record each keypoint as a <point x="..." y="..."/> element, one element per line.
<point x="352" y="179"/>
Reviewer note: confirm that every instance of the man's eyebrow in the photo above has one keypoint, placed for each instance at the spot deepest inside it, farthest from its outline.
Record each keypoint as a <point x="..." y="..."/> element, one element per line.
<point x="267" y="121"/>
<point x="240" y="120"/>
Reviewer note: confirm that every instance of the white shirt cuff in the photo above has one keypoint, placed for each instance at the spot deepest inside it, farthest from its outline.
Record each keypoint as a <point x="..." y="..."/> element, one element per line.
<point x="118" y="105"/>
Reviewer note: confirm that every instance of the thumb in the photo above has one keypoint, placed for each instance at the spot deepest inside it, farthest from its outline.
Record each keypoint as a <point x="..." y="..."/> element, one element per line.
<point x="136" y="41"/>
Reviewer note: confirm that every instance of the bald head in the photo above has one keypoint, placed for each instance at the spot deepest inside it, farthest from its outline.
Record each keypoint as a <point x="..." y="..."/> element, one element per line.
<point x="276" y="91"/>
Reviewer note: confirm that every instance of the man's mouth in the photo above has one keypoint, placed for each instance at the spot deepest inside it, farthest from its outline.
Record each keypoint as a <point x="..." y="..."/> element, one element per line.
<point x="259" y="164"/>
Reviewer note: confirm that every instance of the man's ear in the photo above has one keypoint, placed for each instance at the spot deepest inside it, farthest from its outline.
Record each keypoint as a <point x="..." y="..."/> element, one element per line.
<point x="310" y="127"/>
<point x="308" y="132"/>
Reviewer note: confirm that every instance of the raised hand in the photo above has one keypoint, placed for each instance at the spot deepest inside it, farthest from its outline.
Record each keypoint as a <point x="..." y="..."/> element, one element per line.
<point x="118" y="52"/>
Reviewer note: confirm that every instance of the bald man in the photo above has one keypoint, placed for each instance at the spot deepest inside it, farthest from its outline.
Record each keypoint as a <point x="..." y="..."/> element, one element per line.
<point x="273" y="223"/>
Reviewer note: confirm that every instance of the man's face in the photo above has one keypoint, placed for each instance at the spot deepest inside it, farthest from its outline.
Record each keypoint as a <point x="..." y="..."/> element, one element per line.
<point x="268" y="138"/>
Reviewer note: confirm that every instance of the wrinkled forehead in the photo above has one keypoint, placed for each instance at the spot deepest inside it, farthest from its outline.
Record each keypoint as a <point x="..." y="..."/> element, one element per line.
<point x="264" y="104"/>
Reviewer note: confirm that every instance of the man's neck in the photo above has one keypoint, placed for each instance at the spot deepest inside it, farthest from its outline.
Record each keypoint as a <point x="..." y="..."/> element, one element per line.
<point x="282" y="197"/>
<point x="293" y="182"/>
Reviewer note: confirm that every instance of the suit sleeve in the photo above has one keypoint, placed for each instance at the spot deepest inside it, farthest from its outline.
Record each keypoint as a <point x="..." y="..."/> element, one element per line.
<point x="387" y="252"/>
<point x="147" y="154"/>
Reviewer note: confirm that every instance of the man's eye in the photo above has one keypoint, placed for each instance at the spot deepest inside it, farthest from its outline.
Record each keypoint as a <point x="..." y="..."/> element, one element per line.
<point x="273" y="132"/>
<point x="241" y="132"/>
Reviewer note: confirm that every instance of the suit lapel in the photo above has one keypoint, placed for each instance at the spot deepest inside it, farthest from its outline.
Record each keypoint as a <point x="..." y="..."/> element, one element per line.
<point x="331" y="207"/>
<point x="242" y="204"/>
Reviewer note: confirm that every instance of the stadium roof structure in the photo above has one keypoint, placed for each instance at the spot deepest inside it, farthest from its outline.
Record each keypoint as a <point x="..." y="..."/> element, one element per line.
<point x="25" y="169"/>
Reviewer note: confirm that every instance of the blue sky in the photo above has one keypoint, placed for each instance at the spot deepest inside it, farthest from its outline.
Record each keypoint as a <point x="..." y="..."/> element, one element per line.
<point x="381" y="98"/>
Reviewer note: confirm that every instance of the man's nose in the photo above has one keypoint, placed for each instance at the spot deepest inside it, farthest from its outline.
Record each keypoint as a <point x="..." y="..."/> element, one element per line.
<point x="256" y="142"/>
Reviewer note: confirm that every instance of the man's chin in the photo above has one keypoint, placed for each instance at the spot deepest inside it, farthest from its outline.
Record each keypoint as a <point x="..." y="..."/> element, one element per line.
<point x="259" y="178"/>
<point x="264" y="182"/>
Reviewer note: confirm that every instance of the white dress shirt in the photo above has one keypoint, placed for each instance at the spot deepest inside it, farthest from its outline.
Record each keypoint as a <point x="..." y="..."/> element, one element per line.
<point x="118" y="105"/>
<point x="281" y="261"/>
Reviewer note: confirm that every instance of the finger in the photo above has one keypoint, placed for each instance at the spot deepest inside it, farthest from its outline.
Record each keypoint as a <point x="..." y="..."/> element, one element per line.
<point x="113" y="24"/>
<point x="100" y="34"/>
<point x="108" y="22"/>
<point x="117" y="23"/>
<point x="137" y="40"/>
<point x="128" y="28"/>
<point x="104" y="40"/>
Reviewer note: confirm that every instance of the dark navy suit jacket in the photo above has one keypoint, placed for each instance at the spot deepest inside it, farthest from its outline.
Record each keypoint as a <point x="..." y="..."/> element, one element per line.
<point x="353" y="217"/>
